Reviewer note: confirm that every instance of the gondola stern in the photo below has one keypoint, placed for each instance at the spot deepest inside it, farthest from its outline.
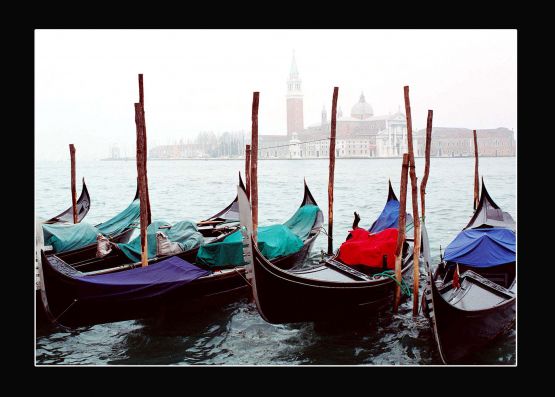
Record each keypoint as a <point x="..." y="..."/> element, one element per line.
<point x="241" y="182"/>
<point x="136" y="193"/>
<point x="83" y="206"/>
<point x="391" y="194"/>
<point x="308" y="198"/>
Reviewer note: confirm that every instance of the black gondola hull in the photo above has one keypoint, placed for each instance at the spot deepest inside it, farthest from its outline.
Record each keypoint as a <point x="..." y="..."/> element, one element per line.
<point x="71" y="308"/>
<point x="460" y="332"/>
<point x="284" y="297"/>
<point x="204" y="292"/>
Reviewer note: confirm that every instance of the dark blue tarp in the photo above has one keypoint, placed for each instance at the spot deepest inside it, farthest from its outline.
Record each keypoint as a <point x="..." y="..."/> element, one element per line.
<point x="483" y="247"/>
<point x="389" y="218"/>
<point x="141" y="282"/>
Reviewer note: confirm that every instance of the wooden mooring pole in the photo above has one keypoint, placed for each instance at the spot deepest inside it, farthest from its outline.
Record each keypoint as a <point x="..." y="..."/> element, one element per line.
<point x="416" y="217"/>
<point x="332" y="169"/>
<point x="427" y="165"/>
<point x="476" y="179"/>
<point x="248" y="170"/>
<point x="401" y="234"/>
<point x="142" y="102"/>
<point x="73" y="190"/>
<point x="141" y="172"/>
<point x="254" y="165"/>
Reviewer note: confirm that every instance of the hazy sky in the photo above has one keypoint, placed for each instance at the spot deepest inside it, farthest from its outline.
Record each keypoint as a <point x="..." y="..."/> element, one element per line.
<point x="202" y="80"/>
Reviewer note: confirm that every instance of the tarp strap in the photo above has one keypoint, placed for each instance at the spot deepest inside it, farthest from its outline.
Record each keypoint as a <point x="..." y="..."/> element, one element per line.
<point x="67" y="308"/>
<point x="323" y="230"/>
<point x="244" y="278"/>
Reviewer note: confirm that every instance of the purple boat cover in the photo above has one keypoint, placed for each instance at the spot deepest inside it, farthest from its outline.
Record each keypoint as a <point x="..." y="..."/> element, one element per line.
<point x="142" y="282"/>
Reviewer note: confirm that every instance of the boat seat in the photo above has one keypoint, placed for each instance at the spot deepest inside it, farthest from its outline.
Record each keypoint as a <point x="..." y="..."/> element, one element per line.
<point x="498" y="278"/>
<point x="477" y="293"/>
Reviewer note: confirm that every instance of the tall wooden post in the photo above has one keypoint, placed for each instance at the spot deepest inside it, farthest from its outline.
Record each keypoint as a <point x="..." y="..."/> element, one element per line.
<point x="427" y="165"/>
<point x="73" y="190"/>
<point x="142" y="102"/>
<point x="254" y="165"/>
<point x="332" y="169"/>
<point x="141" y="172"/>
<point x="414" y="189"/>
<point x="248" y="170"/>
<point x="401" y="234"/>
<point x="476" y="179"/>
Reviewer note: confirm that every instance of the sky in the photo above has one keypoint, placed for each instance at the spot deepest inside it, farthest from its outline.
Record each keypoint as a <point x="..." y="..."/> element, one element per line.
<point x="203" y="80"/>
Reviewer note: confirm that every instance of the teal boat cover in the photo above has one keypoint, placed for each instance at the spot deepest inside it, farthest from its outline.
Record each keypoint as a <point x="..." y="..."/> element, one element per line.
<point x="273" y="241"/>
<point x="121" y="221"/>
<point x="302" y="221"/>
<point x="185" y="233"/>
<point x="65" y="237"/>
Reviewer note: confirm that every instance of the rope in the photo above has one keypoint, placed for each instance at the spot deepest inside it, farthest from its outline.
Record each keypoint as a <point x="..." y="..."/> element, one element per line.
<point x="244" y="278"/>
<point x="326" y="233"/>
<point x="405" y="289"/>
<point x="292" y="144"/>
<point x="72" y="303"/>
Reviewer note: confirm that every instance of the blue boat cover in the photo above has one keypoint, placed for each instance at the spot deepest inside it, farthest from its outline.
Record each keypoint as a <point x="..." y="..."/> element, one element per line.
<point x="64" y="237"/>
<point x="389" y="218"/>
<point x="483" y="247"/>
<point x="141" y="282"/>
<point x="121" y="221"/>
<point x="185" y="233"/>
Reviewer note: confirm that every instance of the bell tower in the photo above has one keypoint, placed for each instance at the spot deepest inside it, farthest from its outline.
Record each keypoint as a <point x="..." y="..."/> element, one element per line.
<point x="294" y="100"/>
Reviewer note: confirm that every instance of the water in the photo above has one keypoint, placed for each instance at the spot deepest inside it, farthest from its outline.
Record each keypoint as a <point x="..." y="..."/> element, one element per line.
<point x="235" y="334"/>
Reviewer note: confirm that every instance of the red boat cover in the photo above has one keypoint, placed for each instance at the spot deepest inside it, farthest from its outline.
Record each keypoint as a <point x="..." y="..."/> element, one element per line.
<point x="365" y="248"/>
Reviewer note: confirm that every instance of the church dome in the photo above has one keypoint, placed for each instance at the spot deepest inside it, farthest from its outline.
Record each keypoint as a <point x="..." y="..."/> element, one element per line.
<point x="362" y="110"/>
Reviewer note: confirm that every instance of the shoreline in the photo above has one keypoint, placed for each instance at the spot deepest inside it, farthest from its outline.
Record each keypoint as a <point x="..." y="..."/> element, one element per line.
<point x="304" y="158"/>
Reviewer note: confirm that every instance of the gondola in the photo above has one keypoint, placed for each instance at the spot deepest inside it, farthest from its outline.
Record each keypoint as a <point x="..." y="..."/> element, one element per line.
<point x="330" y="291"/>
<point x="118" y="229"/>
<point x="471" y="296"/>
<point x="216" y="225"/>
<point x="83" y="205"/>
<point x="91" y="292"/>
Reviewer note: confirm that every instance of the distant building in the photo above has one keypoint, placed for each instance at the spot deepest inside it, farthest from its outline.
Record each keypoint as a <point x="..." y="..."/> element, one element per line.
<point x="360" y="135"/>
<point x="206" y="145"/>
<point x="459" y="142"/>
<point x="115" y="153"/>
<point x="295" y="113"/>
<point x="176" y="151"/>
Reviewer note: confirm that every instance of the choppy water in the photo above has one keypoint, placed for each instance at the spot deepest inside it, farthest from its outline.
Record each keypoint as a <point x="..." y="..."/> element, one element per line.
<point x="235" y="334"/>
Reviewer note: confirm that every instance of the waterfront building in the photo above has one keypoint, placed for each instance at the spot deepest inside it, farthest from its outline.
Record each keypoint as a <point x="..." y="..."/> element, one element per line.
<point x="459" y="142"/>
<point x="360" y="134"/>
